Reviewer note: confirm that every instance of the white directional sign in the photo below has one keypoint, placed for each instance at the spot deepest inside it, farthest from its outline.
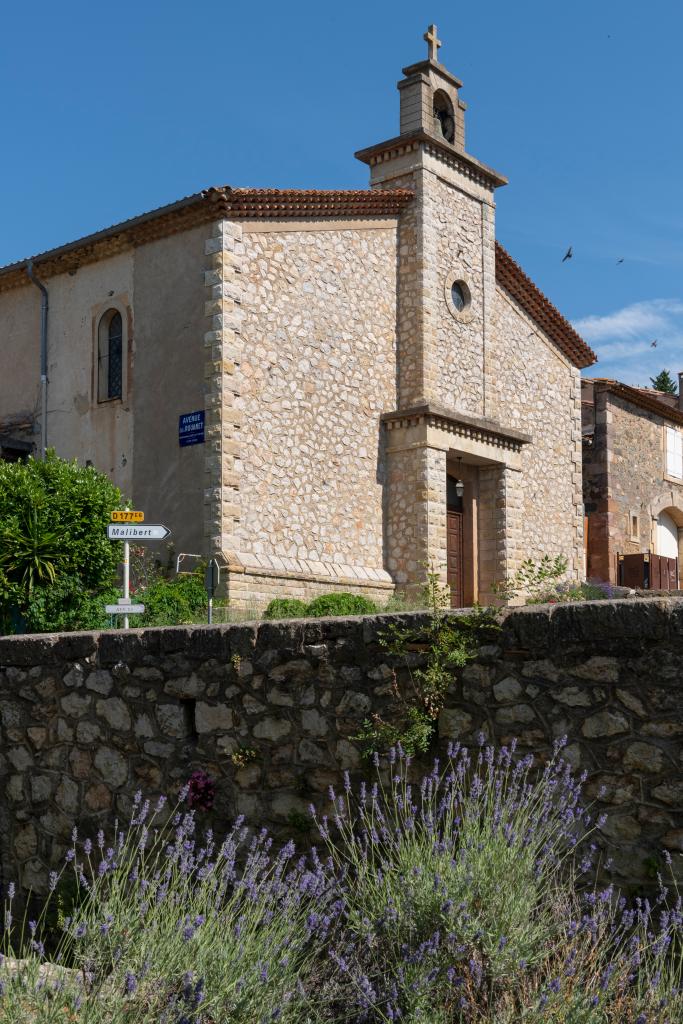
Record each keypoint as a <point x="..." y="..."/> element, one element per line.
<point x="124" y="609"/>
<point x="137" y="531"/>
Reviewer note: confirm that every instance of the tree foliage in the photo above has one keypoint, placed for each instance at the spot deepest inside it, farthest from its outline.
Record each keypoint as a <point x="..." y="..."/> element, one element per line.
<point x="57" y="566"/>
<point x="664" y="382"/>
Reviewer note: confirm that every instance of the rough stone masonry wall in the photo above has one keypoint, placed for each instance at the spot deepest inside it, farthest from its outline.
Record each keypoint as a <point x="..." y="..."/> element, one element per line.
<point x="629" y="457"/>
<point x="87" y="719"/>
<point x="319" y="367"/>
<point x="531" y="387"/>
<point x="460" y="240"/>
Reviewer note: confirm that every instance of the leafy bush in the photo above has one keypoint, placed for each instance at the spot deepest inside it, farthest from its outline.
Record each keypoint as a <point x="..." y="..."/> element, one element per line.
<point x="173" y="602"/>
<point x="53" y="517"/>
<point x="65" y="606"/>
<point x="340" y="604"/>
<point x="326" y="604"/>
<point x="285" y="608"/>
<point x="463" y="900"/>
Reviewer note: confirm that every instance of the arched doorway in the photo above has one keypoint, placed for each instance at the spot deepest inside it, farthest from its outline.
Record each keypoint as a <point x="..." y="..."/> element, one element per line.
<point x="666" y="510"/>
<point x="666" y="536"/>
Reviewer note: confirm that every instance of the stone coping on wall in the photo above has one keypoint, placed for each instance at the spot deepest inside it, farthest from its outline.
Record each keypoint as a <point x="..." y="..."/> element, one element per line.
<point x="602" y="625"/>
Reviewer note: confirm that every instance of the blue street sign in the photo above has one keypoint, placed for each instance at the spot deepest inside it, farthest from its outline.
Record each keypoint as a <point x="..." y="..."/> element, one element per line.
<point x="191" y="428"/>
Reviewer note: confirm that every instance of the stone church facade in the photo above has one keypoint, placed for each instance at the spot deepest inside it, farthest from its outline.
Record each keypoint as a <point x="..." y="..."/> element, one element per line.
<point x="383" y="387"/>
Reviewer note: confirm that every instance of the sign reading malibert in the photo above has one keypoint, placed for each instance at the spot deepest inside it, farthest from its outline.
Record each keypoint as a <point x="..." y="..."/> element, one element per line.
<point x="131" y="531"/>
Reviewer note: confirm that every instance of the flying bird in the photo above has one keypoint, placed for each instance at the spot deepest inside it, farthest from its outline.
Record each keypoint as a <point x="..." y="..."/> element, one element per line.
<point x="620" y="261"/>
<point x="568" y="255"/>
<point x="653" y="344"/>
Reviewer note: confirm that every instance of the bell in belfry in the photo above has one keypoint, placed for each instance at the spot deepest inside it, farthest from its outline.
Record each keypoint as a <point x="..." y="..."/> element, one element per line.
<point x="443" y="117"/>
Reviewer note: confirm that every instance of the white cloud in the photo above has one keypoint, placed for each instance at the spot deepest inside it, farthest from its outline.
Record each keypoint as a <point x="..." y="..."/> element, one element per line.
<point x="623" y="340"/>
<point x="641" y="318"/>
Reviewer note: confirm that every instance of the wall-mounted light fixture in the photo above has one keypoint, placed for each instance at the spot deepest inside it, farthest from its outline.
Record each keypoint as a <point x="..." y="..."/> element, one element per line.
<point x="459" y="484"/>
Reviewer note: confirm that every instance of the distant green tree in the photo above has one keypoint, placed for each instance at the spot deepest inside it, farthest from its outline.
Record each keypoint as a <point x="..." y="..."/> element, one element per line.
<point x="664" y="382"/>
<point x="57" y="567"/>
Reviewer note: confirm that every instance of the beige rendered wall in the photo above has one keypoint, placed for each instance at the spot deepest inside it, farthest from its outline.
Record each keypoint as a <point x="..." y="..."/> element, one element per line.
<point x="159" y="290"/>
<point x="20" y="361"/>
<point x="531" y="387"/>
<point x="318" y="368"/>
<point x="168" y="379"/>
<point x="77" y="426"/>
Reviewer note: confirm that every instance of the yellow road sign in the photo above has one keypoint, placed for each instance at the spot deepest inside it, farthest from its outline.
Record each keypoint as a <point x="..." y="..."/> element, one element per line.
<point x="126" y="515"/>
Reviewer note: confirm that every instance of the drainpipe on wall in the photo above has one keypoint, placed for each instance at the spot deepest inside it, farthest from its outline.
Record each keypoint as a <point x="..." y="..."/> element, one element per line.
<point x="43" y="355"/>
<point x="680" y="391"/>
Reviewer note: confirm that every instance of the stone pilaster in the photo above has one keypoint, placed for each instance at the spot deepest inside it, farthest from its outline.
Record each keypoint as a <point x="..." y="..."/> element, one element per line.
<point x="416" y="514"/>
<point x="223" y="349"/>
<point x="501" y="527"/>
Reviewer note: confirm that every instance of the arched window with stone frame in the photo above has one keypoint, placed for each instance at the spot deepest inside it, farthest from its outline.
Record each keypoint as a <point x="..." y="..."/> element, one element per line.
<point x="110" y="356"/>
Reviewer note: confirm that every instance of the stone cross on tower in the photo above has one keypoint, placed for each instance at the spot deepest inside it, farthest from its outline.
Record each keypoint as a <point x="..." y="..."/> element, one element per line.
<point x="433" y="44"/>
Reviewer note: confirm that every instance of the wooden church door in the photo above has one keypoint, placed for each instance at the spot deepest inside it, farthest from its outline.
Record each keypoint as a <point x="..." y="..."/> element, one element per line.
<point x="454" y="544"/>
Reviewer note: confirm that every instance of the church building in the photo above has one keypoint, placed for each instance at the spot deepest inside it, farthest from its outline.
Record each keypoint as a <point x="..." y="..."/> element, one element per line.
<point x="325" y="390"/>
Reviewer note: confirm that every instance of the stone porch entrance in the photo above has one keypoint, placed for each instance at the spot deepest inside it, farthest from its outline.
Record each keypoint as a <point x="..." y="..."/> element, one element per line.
<point x="472" y="539"/>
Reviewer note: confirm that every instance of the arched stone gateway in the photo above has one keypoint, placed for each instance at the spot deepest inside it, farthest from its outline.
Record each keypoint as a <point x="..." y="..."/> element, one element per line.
<point x="667" y="528"/>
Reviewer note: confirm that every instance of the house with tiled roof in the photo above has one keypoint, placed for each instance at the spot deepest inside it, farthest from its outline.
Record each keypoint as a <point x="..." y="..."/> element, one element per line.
<point x="633" y="483"/>
<point x="324" y="390"/>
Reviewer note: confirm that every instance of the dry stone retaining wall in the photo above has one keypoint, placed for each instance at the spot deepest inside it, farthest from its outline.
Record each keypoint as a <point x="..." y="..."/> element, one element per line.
<point x="89" y="718"/>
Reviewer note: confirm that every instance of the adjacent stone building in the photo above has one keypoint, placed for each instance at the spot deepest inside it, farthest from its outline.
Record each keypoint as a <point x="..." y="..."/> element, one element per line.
<point x="633" y="483"/>
<point x="382" y="386"/>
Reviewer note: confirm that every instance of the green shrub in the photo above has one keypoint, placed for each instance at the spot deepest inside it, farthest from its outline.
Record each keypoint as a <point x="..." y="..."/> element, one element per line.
<point x="173" y="602"/>
<point x="65" y="606"/>
<point x="286" y="608"/>
<point x="340" y="604"/>
<point x="57" y="566"/>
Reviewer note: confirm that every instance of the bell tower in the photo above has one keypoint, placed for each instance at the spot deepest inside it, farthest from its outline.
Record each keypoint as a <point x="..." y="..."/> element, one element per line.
<point x="446" y="244"/>
<point x="446" y="295"/>
<point x="429" y="98"/>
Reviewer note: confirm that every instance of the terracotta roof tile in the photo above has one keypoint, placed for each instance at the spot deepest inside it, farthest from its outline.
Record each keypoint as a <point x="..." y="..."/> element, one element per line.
<point x="273" y="202"/>
<point x="534" y="303"/>
<point x="211" y="204"/>
<point x="645" y="398"/>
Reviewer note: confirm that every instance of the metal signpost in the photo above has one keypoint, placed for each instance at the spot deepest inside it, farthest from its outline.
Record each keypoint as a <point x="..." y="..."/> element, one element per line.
<point x="126" y="526"/>
<point x="212" y="578"/>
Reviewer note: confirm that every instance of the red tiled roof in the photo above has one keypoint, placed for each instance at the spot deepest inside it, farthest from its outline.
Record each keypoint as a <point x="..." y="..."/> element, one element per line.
<point x="646" y="398"/>
<point x="276" y="202"/>
<point x="271" y="203"/>
<point x="212" y="203"/>
<point x="534" y="303"/>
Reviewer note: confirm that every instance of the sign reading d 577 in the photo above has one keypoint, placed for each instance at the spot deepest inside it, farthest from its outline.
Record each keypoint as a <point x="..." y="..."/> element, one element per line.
<point x="126" y="515"/>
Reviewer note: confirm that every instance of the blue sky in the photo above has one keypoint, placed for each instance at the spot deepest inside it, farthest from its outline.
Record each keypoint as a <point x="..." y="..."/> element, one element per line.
<point x="110" y="110"/>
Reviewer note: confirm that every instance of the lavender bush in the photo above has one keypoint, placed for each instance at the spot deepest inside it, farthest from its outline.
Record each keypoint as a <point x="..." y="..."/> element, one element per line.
<point x="462" y="897"/>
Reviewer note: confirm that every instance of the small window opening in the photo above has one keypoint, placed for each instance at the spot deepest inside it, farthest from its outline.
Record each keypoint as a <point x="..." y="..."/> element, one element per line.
<point x="634" y="524"/>
<point x="110" y="357"/>
<point x="458" y="296"/>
